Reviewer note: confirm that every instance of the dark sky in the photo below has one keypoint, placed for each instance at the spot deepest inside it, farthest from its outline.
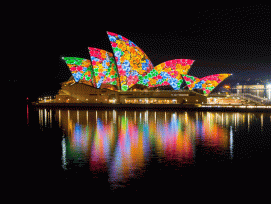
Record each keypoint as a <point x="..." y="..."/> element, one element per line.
<point x="222" y="39"/>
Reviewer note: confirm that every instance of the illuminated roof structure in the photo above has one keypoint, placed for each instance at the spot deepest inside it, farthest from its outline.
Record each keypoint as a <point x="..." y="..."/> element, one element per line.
<point x="130" y="66"/>
<point x="167" y="73"/>
<point x="81" y="69"/>
<point x="208" y="83"/>
<point x="132" y="62"/>
<point x="104" y="66"/>
<point x="190" y="81"/>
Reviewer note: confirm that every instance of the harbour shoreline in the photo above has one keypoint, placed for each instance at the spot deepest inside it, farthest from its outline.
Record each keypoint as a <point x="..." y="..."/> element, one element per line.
<point x="185" y="107"/>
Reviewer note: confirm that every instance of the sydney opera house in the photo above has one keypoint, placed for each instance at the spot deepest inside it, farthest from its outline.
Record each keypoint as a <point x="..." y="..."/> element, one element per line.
<point x="128" y="76"/>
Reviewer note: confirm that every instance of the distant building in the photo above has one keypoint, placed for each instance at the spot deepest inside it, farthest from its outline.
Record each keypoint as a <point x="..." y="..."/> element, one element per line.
<point x="259" y="90"/>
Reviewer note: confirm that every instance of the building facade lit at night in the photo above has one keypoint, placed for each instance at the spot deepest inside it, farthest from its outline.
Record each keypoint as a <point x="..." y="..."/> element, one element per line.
<point x="128" y="76"/>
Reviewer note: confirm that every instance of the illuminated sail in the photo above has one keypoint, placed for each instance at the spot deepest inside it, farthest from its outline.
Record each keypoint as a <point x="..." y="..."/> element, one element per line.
<point x="208" y="83"/>
<point x="104" y="66"/>
<point x="81" y="69"/>
<point x="190" y="81"/>
<point x="167" y="73"/>
<point x="132" y="62"/>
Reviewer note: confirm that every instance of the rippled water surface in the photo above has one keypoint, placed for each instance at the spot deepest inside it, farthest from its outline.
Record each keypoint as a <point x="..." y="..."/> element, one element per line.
<point x="135" y="150"/>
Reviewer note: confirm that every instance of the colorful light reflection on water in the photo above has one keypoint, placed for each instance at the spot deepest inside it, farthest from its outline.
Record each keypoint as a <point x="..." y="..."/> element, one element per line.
<point x="122" y="144"/>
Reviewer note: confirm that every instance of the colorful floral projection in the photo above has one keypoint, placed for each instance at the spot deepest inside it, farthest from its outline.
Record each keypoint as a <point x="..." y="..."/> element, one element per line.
<point x="130" y="65"/>
<point x="132" y="62"/>
<point x="190" y="81"/>
<point x="207" y="84"/>
<point x="104" y="66"/>
<point x="167" y="73"/>
<point x="81" y="69"/>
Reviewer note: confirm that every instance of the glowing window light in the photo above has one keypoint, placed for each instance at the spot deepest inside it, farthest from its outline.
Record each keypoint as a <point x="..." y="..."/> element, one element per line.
<point x="132" y="62"/>
<point x="104" y="66"/>
<point x="80" y="68"/>
<point x="167" y="73"/>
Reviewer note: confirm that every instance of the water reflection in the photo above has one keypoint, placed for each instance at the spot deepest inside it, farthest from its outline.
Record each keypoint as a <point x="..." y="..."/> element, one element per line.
<point x="64" y="162"/>
<point x="122" y="143"/>
<point x="45" y="118"/>
<point x="27" y="115"/>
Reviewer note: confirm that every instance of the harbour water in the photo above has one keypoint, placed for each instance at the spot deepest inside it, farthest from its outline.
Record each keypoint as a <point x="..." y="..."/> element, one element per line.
<point x="118" y="150"/>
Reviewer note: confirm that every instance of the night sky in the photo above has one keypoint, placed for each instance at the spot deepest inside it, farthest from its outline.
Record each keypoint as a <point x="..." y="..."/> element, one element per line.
<point x="220" y="39"/>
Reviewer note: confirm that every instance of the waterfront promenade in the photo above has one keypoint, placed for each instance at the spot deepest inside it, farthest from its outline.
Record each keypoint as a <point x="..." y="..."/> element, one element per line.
<point x="186" y="107"/>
